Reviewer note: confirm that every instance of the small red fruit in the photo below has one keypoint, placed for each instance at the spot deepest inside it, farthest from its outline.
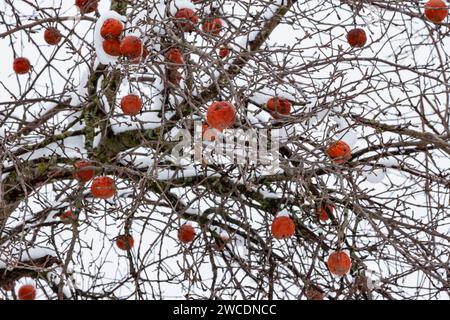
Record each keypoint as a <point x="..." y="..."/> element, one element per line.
<point x="175" y="57"/>
<point x="131" y="104"/>
<point x="339" y="263"/>
<point x="111" y="28"/>
<point x="322" y="212"/>
<point x="87" y="6"/>
<point x="52" y="36"/>
<point x="186" y="19"/>
<point x="436" y="10"/>
<point x="339" y="151"/>
<point x="186" y="233"/>
<point x="131" y="47"/>
<point x="27" y="292"/>
<point x="223" y="52"/>
<point x="221" y="115"/>
<point x="124" y="242"/>
<point x="67" y="217"/>
<point x="213" y="26"/>
<point x="314" y="293"/>
<point x="283" y="227"/>
<point x="278" y="106"/>
<point x="356" y="37"/>
<point x="21" y="65"/>
<point x="84" y="170"/>
<point x="103" y="187"/>
<point x="111" y="47"/>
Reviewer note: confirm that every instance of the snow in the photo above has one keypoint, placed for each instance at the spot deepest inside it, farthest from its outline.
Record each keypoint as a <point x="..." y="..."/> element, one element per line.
<point x="102" y="56"/>
<point x="190" y="223"/>
<point x="270" y="195"/>
<point x="54" y="276"/>
<point x="139" y="158"/>
<point x="373" y="175"/>
<point x="350" y="137"/>
<point x="36" y="253"/>
<point x="389" y="162"/>
<point x="71" y="147"/>
<point x="283" y="213"/>
<point x="181" y="4"/>
<point x="225" y="235"/>
<point x="22" y="255"/>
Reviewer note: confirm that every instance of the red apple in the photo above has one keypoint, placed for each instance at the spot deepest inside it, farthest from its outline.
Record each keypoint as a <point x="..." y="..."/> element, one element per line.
<point x="125" y="242"/>
<point x="436" y="11"/>
<point x="131" y="105"/>
<point x="356" y="38"/>
<point x="111" y="47"/>
<point x="111" y="28"/>
<point x="339" y="152"/>
<point x="142" y="57"/>
<point x="213" y="26"/>
<point x="186" y="19"/>
<point x="27" y="292"/>
<point x="52" y="36"/>
<point x="221" y="115"/>
<point x="322" y="212"/>
<point x="283" y="227"/>
<point x="175" y="57"/>
<point x="84" y="170"/>
<point x="21" y="65"/>
<point x="278" y="106"/>
<point x="339" y="263"/>
<point x="186" y="233"/>
<point x="131" y="47"/>
<point x="224" y="52"/>
<point x="87" y="6"/>
<point x="103" y="187"/>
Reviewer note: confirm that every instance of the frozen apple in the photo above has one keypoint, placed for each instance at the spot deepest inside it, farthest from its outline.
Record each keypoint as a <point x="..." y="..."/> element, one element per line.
<point x="103" y="188"/>
<point x="87" y="6"/>
<point x="356" y="38"/>
<point x="212" y="26"/>
<point x="175" y="57"/>
<point x="52" y="36"/>
<point x="278" y="106"/>
<point x="131" y="104"/>
<point x="125" y="242"/>
<point x="186" y="233"/>
<point x="221" y="115"/>
<point x="111" y="47"/>
<point x="27" y="292"/>
<point x="84" y="170"/>
<point x="436" y="11"/>
<point x="283" y="227"/>
<point x="339" y="152"/>
<point x="339" y="263"/>
<point x="224" y="52"/>
<point x="21" y="65"/>
<point x="186" y="19"/>
<point x="131" y="47"/>
<point x="111" y="29"/>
